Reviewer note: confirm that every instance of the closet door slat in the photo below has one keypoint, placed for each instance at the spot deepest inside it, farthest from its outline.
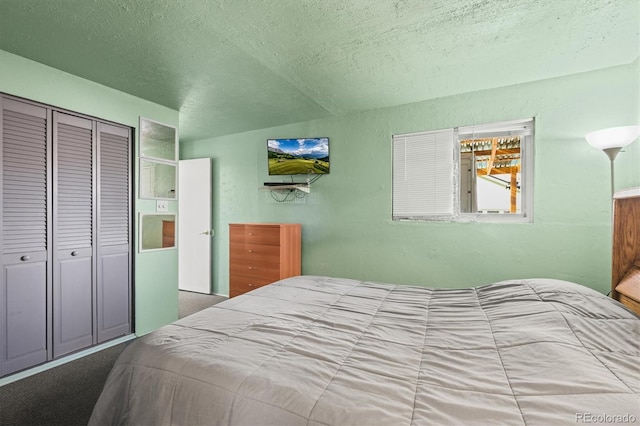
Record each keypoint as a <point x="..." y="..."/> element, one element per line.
<point x="74" y="190"/>
<point x="114" y="188"/>
<point x="24" y="180"/>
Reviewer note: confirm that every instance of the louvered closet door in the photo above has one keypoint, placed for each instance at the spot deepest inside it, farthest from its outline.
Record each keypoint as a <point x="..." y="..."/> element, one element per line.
<point x="23" y="235"/>
<point x="73" y="195"/>
<point x="113" y="301"/>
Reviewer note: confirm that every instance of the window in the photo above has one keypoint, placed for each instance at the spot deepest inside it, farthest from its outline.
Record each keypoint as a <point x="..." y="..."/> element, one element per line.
<point x="472" y="173"/>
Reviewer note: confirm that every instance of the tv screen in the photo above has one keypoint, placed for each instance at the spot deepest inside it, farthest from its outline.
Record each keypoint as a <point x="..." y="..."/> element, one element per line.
<point x="305" y="156"/>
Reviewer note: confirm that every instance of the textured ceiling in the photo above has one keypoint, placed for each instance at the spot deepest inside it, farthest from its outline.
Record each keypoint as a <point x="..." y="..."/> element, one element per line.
<point x="237" y="65"/>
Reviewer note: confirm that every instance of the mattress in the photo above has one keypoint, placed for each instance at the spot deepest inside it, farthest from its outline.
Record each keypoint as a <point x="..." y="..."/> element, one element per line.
<point x="315" y="350"/>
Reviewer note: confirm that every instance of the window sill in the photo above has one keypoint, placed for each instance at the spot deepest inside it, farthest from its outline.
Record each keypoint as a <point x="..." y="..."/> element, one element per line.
<point x="469" y="218"/>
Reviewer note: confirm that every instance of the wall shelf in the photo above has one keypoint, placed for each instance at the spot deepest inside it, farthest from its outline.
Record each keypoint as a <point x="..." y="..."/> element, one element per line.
<point x="303" y="187"/>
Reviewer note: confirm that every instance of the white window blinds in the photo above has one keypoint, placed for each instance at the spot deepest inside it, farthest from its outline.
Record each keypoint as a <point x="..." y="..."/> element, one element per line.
<point x="422" y="174"/>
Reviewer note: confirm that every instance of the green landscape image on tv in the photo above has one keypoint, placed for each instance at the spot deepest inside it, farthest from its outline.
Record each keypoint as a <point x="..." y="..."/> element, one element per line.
<point x="303" y="156"/>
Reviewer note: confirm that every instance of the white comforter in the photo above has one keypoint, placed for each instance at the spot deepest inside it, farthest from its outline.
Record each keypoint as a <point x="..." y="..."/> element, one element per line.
<point x="325" y="351"/>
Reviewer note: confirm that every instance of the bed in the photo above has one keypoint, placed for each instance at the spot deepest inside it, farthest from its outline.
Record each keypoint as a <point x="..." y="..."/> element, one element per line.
<point x="314" y="350"/>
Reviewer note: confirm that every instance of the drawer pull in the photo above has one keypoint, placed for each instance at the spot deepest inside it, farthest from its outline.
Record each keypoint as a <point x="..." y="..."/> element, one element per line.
<point x="25" y="258"/>
<point x="74" y="253"/>
<point x="250" y="251"/>
<point x="251" y="285"/>
<point x="252" y="267"/>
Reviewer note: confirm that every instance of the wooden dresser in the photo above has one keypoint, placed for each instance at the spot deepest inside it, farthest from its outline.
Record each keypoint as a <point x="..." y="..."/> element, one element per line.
<point x="262" y="253"/>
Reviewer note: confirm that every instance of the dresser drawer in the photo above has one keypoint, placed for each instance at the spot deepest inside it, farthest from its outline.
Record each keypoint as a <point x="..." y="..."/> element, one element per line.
<point x="254" y="234"/>
<point x="630" y="303"/>
<point x="266" y="270"/>
<point x="239" y="284"/>
<point x="252" y="252"/>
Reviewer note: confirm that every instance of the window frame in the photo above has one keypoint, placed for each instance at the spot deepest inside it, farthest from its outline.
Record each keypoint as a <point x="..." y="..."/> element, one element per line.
<point x="526" y="129"/>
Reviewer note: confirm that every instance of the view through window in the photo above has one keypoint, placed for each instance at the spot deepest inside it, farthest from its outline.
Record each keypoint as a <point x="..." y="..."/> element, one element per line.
<point x="490" y="175"/>
<point x="471" y="173"/>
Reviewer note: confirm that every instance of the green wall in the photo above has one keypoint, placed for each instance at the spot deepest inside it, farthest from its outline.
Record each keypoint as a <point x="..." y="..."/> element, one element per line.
<point x="347" y="230"/>
<point x="346" y="220"/>
<point x="156" y="289"/>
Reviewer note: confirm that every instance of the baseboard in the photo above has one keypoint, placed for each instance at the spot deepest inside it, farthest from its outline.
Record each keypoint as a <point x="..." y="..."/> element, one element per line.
<point x="206" y="294"/>
<point x="57" y="362"/>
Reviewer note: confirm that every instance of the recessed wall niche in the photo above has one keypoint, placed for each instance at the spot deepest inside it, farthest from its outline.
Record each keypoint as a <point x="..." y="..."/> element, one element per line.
<point x="158" y="160"/>
<point x="157" y="231"/>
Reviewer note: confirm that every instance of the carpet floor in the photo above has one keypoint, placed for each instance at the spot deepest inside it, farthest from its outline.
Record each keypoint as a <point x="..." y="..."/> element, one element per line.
<point x="65" y="395"/>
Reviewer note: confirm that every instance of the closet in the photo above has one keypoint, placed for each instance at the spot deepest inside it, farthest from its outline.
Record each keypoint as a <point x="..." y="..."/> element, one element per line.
<point x="65" y="233"/>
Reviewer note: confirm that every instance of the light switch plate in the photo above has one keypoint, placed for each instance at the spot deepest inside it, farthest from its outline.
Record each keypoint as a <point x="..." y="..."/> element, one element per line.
<point x="162" y="206"/>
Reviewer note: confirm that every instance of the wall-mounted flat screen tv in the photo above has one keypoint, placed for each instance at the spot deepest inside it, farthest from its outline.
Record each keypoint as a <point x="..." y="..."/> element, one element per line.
<point x="304" y="156"/>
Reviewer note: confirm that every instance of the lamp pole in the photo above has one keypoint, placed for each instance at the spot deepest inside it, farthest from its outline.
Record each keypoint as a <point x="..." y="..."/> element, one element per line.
<point x="612" y="153"/>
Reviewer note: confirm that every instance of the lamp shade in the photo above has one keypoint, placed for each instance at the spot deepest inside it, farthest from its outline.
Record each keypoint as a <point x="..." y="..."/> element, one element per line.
<point x="613" y="137"/>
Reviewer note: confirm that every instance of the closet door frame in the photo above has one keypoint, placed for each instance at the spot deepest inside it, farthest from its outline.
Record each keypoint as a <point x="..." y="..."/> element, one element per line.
<point x="50" y="220"/>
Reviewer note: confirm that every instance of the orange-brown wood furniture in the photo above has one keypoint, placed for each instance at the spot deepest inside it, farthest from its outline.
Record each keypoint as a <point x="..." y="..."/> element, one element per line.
<point x="168" y="233"/>
<point x="262" y="253"/>
<point x="625" y="279"/>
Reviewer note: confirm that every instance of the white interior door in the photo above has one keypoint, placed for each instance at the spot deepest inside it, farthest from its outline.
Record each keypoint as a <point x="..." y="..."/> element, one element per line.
<point x="194" y="225"/>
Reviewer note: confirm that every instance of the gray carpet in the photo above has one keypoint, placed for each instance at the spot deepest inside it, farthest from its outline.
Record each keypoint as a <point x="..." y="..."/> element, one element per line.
<point x="65" y="395"/>
<point x="190" y="303"/>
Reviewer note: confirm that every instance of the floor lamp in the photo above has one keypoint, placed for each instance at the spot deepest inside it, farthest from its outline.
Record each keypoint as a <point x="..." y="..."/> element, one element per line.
<point x="611" y="141"/>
